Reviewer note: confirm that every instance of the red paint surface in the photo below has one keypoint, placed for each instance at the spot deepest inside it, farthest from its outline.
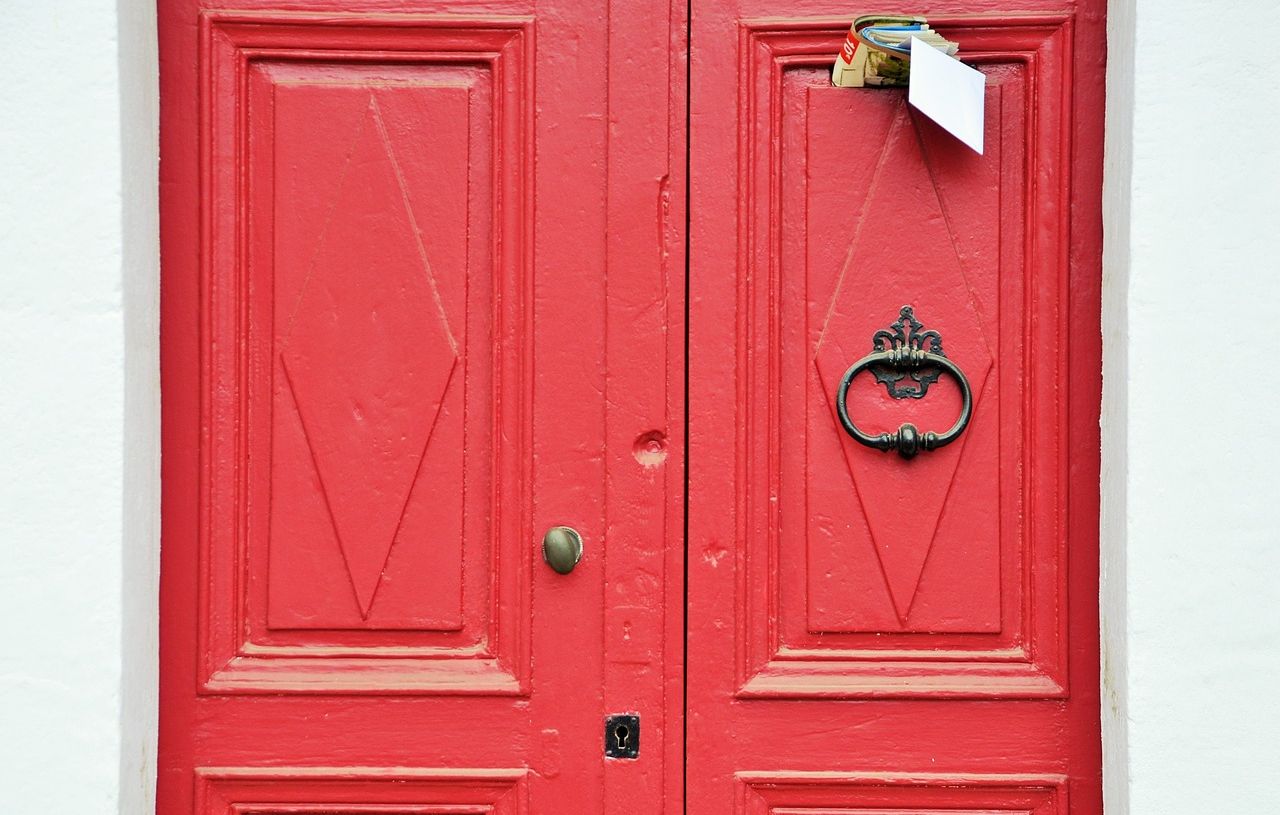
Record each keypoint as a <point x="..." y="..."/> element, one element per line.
<point x="868" y="633"/>
<point x="423" y="298"/>
<point x="397" y="347"/>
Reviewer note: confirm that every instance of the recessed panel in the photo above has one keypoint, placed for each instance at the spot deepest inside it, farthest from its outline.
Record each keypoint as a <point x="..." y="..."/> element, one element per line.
<point x="918" y="548"/>
<point x="364" y="273"/>
<point x="334" y="790"/>
<point x="370" y="230"/>
<point x="900" y="794"/>
<point x="867" y="572"/>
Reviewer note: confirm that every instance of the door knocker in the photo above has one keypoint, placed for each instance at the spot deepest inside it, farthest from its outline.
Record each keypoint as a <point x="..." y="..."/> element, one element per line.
<point x="906" y="359"/>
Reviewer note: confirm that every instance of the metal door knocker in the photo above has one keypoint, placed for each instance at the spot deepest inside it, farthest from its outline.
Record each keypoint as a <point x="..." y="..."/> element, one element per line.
<point x="902" y="363"/>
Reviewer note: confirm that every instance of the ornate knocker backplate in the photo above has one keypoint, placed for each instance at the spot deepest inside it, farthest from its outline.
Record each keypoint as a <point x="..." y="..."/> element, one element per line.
<point x="906" y="358"/>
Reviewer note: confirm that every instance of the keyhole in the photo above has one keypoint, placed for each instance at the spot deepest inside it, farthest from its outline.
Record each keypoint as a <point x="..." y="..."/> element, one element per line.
<point x="622" y="736"/>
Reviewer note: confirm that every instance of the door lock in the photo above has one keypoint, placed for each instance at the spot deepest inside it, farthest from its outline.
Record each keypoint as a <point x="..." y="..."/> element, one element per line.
<point x="622" y="736"/>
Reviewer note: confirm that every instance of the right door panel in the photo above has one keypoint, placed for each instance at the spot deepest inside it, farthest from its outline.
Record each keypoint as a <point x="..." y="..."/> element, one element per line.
<point x="869" y="632"/>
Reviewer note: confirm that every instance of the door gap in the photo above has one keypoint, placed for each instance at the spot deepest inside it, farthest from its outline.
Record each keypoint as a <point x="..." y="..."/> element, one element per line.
<point x="688" y="208"/>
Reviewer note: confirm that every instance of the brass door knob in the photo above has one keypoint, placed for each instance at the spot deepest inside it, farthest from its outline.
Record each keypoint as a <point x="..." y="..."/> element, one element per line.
<point x="562" y="548"/>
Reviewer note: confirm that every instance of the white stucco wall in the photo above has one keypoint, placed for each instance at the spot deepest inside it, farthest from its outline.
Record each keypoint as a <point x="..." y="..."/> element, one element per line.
<point x="79" y="406"/>
<point x="1191" y="423"/>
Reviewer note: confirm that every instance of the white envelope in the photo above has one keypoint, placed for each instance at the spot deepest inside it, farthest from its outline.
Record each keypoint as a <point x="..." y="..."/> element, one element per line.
<point x="948" y="91"/>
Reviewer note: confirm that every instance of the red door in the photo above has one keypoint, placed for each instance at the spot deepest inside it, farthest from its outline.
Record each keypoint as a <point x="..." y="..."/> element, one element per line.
<point x="871" y="632"/>
<point x="424" y="300"/>
<point x="387" y="374"/>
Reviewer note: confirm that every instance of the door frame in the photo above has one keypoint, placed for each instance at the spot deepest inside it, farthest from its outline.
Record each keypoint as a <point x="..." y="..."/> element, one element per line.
<point x="138" y="233"/>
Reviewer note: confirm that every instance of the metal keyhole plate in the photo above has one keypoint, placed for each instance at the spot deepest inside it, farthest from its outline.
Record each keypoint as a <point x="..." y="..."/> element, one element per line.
<point x="622" y="736"/>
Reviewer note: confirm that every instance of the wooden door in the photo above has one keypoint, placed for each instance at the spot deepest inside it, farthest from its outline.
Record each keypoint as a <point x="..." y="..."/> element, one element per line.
<point x="868" y="632"/>
<point x="422" y="301"/>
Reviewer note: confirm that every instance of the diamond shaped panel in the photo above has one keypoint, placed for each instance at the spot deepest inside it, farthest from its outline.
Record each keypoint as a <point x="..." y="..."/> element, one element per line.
<point x="902" y="253"/>
<point x="368" y="355"/>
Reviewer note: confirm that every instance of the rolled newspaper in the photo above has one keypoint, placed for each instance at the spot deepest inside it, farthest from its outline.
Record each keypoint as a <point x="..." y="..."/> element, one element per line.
<point x="877" y="51"/>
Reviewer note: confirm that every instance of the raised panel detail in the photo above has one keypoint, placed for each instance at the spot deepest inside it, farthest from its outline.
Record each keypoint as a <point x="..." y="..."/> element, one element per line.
<point x="366" y="354"/>
<point x="900" y="794"/>
<point x="861" y="573"/>
<point x="329" y="790"/>
<point x="852" y="291"/>
<point x="365" y="340"/>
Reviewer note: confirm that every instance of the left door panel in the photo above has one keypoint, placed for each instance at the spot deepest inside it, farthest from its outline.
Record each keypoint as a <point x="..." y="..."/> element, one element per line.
<point x="358" y="292"/>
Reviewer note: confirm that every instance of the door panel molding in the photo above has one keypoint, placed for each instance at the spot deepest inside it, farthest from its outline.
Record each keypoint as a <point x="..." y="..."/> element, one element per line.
<point x="892" y="793"/>
<point x="253" y="63"/>
<point x="852" y="612"/>
<point x="1019" y="649"/>
<point x="384" y="790"/>
<point x="506" y="314"/>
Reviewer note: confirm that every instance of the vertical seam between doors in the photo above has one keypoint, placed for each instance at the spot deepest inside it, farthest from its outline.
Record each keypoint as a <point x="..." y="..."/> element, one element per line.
<point x="688" y="248"/>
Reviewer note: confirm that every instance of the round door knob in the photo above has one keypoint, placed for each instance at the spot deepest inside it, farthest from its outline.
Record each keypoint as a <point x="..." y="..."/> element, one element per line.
<point x="562" y="548"/>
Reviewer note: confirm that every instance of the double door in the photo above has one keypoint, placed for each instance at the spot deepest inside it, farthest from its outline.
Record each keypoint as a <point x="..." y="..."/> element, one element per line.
<point x="445" y="281"/>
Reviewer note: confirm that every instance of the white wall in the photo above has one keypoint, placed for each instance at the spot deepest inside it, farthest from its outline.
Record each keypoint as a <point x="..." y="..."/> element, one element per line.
<point x="79" y="401"/>
<point x="1191" y="486"/>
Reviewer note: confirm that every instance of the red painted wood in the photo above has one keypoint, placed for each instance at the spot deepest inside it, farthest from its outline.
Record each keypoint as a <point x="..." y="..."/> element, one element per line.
<point x="867" y="633"/>
<point x="389" y="232"/>
<point x="423" y="297"/>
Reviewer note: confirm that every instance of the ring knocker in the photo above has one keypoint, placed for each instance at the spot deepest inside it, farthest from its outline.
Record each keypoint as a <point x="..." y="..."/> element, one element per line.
<point x="900" y="354"/>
